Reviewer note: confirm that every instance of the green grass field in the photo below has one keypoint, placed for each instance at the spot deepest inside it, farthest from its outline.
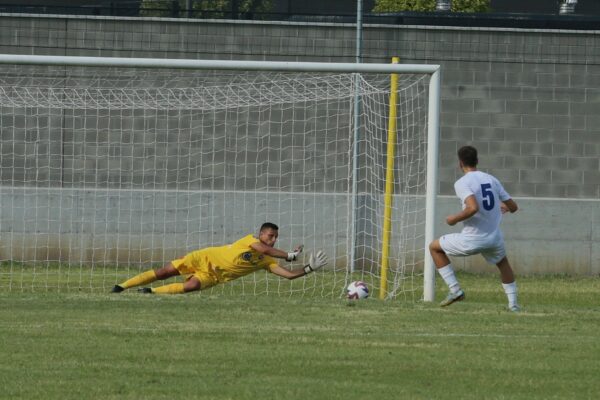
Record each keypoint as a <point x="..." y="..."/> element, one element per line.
<point x="219" y="346"/>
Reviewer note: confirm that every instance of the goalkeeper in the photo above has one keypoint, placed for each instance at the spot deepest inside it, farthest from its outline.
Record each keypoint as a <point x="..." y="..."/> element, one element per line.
<point x="213" y="265"/>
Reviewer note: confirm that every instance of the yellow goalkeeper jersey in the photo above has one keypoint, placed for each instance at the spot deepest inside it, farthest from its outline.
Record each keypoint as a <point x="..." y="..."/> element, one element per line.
<point x="232" y="261"/>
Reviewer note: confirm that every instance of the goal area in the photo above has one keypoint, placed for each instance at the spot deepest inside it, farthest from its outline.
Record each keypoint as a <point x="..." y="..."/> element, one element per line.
<point x="112" y="166"/>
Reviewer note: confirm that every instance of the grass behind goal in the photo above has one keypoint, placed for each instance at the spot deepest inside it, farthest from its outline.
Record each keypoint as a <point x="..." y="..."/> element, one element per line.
<point x="57" y="277"/>
<point x="219" y="346"/>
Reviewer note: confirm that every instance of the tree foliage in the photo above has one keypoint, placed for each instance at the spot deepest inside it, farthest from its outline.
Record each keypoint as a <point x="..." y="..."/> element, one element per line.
<point x="204" y="8"/>
<point x="429" y="5"/>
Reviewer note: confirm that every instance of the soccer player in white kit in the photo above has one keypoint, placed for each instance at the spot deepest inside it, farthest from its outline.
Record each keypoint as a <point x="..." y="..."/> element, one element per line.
<point x="483" y="200"/>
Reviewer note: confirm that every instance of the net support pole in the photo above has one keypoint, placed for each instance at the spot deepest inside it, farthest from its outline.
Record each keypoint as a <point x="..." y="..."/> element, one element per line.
<point x="433" y="142"/>
<point x="389" y="184"/>
<point x="354" y="200"/>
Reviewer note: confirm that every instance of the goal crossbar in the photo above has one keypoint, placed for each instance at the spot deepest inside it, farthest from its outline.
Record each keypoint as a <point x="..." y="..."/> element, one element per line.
<point x="219" y="64"/>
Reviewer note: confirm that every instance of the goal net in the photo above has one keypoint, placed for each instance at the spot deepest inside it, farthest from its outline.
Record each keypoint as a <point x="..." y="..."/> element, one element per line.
<point x="109" y="171"/>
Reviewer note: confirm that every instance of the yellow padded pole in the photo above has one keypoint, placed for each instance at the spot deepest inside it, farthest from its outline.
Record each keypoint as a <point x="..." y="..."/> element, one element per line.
<point x="389" y="184"/>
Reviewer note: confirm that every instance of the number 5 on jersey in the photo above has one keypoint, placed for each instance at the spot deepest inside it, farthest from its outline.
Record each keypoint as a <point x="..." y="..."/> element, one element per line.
<point x="488" y="196"/>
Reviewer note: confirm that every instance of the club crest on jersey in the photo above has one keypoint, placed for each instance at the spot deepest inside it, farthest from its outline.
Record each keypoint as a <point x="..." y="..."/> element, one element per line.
<point x="247" y="256"/>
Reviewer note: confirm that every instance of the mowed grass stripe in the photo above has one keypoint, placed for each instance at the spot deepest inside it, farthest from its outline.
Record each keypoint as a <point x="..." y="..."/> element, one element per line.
<point x="216" y="346"/>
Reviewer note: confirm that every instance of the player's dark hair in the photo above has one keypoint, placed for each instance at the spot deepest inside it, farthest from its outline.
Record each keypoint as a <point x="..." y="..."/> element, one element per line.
<point x="468" y="156"/>
<point x="268" y="225"/>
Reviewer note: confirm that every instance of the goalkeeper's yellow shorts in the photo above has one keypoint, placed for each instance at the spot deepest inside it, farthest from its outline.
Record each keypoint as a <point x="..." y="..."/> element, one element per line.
<point x="192" y="265"/>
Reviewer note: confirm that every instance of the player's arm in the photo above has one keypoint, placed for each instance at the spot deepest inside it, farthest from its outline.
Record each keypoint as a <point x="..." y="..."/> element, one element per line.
<point x="284" y="273"/>
<point x="508" y="206"/>
<point x="315" y="262"/>
<point x="276" y="253"/>
<point x="471" y="208"/>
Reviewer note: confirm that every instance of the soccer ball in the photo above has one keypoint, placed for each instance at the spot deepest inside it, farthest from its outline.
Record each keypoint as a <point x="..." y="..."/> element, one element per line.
<point x="357" y="290"/>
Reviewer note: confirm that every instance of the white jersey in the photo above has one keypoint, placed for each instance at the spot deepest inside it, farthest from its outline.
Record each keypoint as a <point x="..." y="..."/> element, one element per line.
<point x="488" y="192"/>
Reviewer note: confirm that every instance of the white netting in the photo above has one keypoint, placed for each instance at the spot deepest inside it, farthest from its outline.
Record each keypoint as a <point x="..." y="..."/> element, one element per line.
<point x="108" y="172"/>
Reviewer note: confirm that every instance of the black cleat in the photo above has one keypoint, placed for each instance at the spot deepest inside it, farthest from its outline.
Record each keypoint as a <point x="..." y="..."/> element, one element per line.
<point x="145" y="290"/>
<point x="117" y="289"/>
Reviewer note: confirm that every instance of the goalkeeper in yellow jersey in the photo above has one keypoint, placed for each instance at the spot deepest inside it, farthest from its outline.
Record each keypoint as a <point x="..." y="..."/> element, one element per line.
<point x="207" y="267"/>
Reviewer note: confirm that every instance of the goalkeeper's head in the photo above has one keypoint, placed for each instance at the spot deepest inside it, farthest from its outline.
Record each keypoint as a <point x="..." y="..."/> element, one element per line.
<point x="268" y="233"/>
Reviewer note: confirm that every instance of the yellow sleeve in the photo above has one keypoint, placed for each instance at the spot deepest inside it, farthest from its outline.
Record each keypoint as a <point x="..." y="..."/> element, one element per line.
<point x="267" y="262"/>
<point x="271" y="266"/>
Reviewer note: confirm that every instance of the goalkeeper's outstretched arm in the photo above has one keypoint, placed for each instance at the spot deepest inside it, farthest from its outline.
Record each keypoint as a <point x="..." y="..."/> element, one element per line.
<point x="274" y="252"/>
<point x="315" y="262"/>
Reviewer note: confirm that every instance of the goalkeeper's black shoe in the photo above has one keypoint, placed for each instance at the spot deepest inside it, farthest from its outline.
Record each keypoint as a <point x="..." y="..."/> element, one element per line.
<point x="117" y="289"/>
<point x="146" y="290"/>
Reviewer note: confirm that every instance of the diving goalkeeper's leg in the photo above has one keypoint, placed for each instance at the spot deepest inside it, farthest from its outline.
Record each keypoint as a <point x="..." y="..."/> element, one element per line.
<point x="190" y="285"/>
<point x="147" y="277"/>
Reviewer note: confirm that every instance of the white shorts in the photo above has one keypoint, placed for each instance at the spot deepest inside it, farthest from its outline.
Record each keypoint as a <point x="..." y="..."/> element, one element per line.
<point x="458" y="244"/>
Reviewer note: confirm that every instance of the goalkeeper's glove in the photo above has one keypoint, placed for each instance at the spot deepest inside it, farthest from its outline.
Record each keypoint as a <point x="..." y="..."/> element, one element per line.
<point x="293" y="255"/>
<point x="315" y="262"/>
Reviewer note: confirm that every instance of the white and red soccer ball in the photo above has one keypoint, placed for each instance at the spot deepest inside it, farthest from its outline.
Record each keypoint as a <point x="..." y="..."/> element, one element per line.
<point x="357" y="290"/>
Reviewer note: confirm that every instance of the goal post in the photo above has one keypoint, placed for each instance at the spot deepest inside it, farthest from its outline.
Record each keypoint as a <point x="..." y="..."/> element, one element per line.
<point x="113" y="165"/>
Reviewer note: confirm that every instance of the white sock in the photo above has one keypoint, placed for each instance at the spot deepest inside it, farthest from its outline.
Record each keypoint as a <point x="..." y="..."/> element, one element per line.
<point x="511" y="292"/>
<point x="447" y="273"/>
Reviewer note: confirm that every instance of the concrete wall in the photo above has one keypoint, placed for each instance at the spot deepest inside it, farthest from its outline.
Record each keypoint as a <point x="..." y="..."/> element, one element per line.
<point x="150" y="227"/>
<point x="145" y="228"/>
<point x="529" y="100"/>
<point x="546" y="236"/>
